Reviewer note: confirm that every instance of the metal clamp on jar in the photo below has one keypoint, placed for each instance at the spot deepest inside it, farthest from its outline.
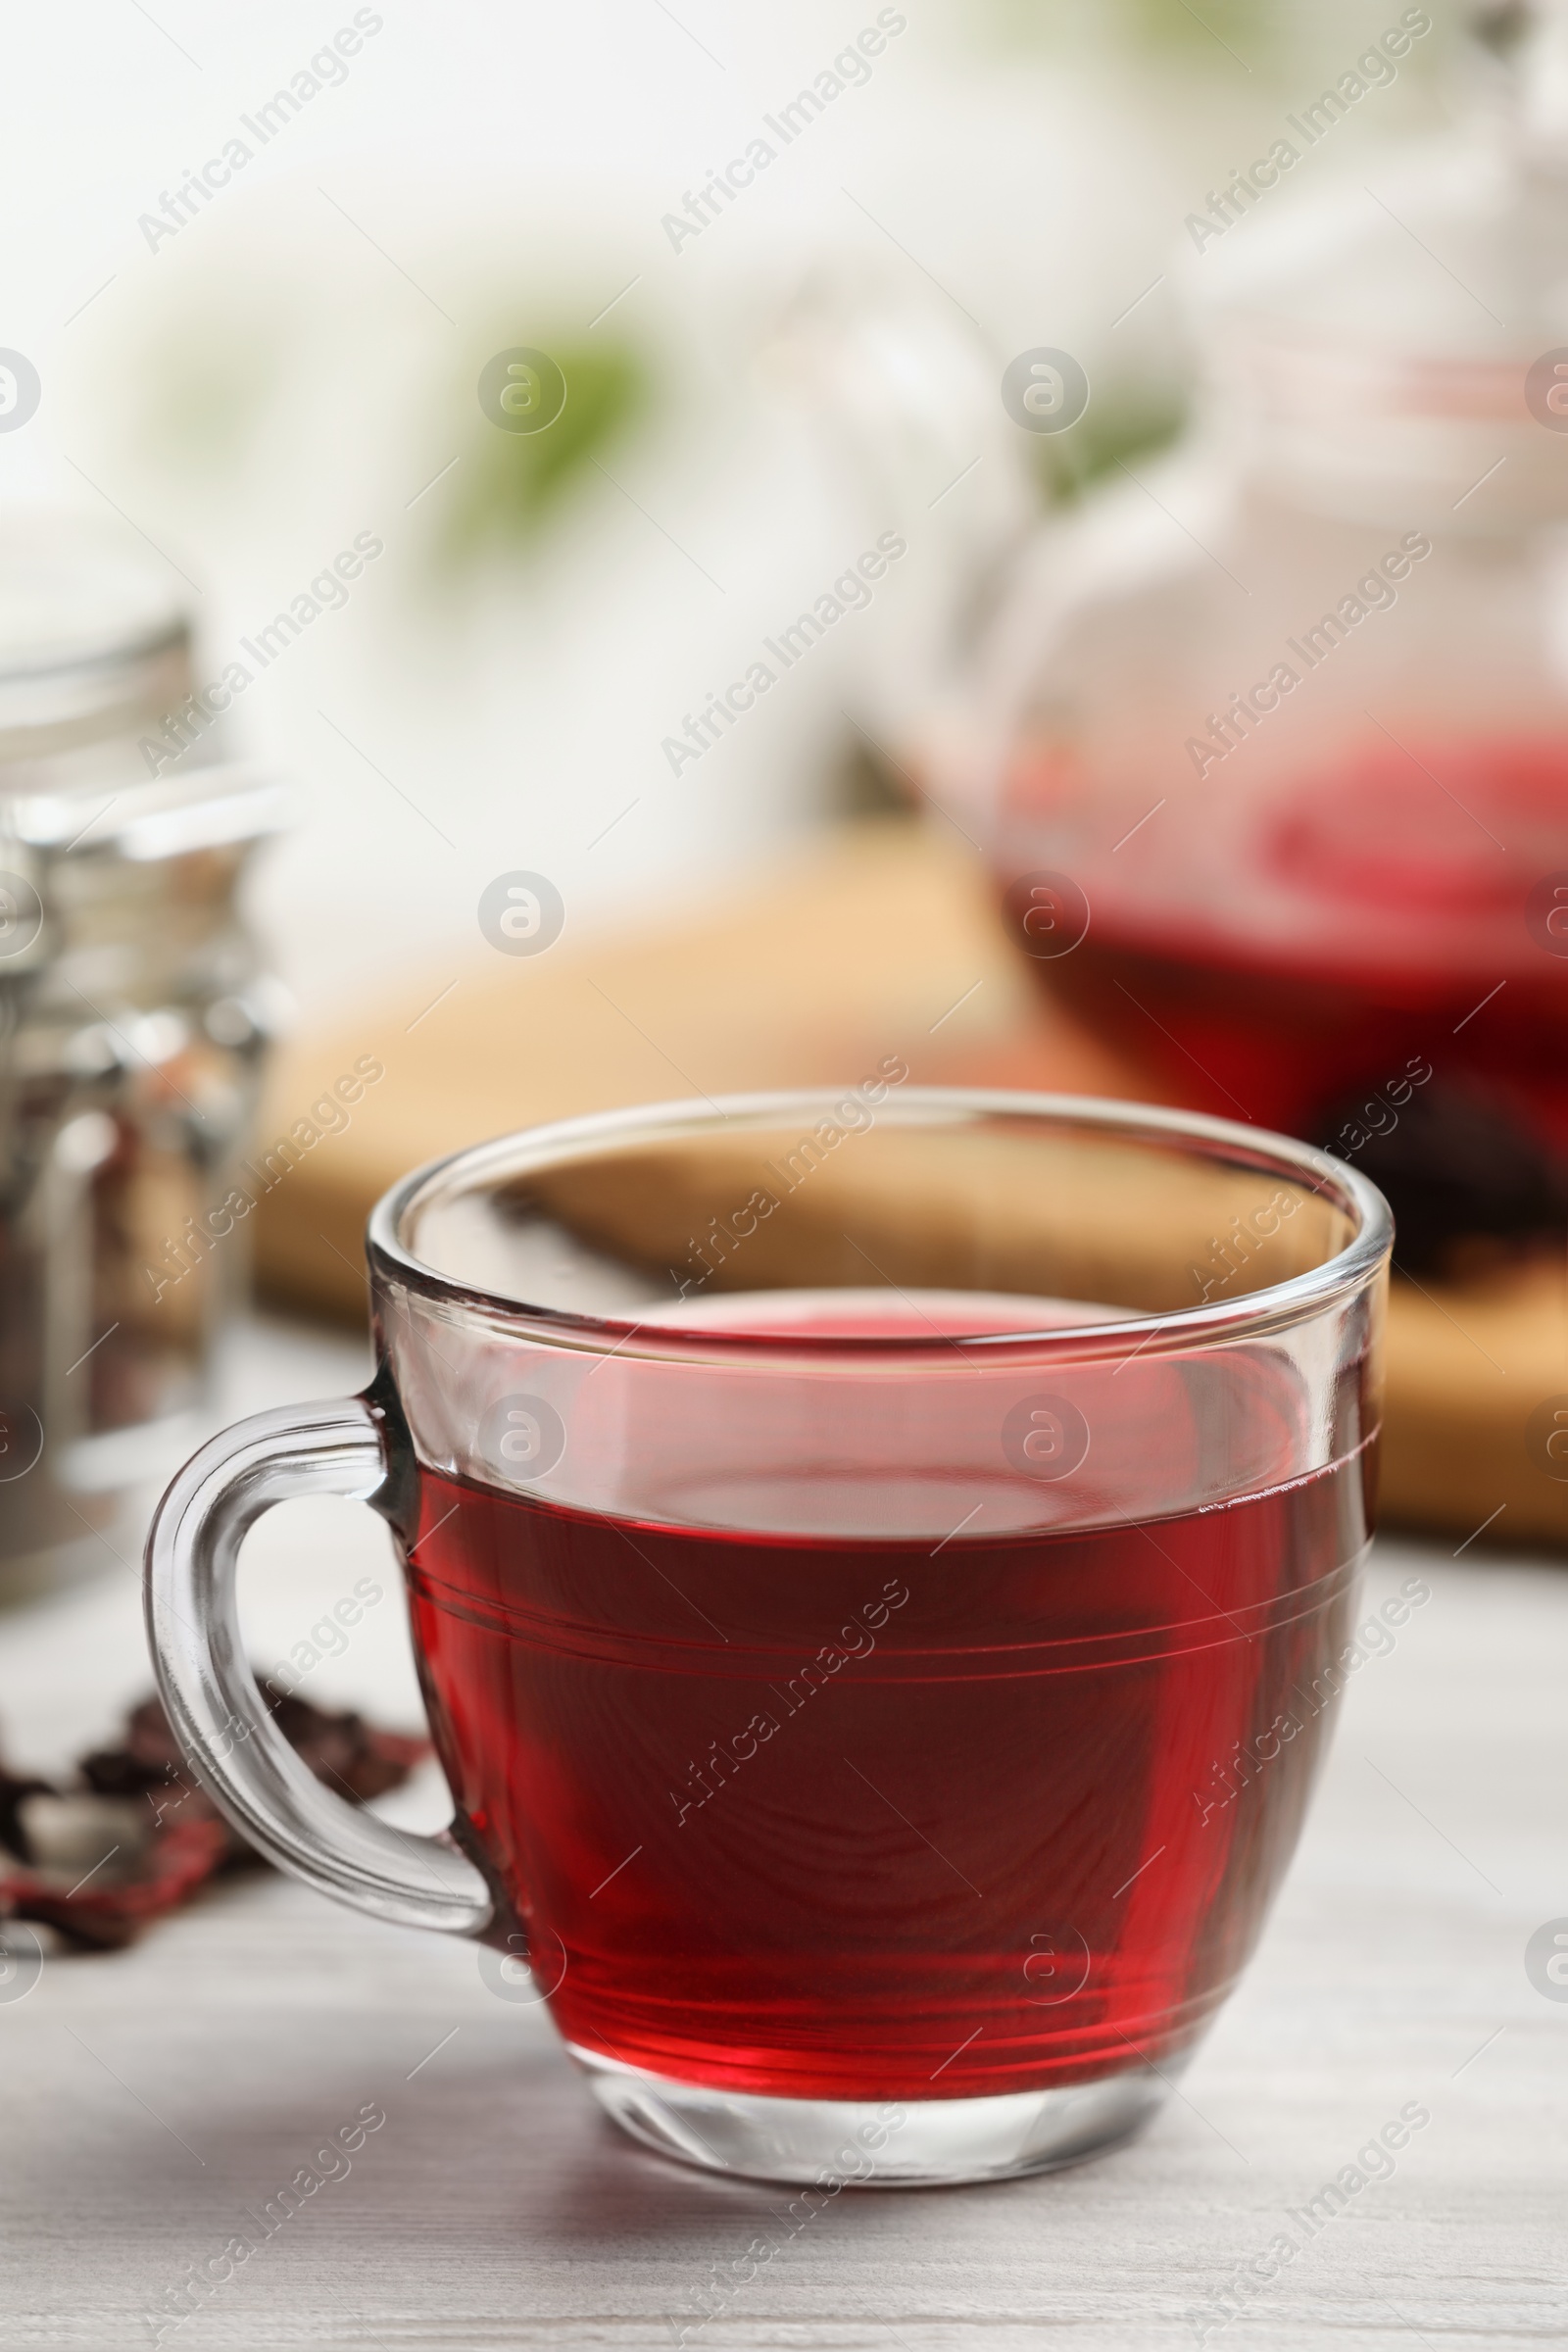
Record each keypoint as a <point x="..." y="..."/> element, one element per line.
<point x="133" y="1016"/>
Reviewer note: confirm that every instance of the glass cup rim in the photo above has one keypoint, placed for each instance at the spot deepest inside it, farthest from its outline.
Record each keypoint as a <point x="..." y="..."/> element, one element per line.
<point x="1278" y="1303"/>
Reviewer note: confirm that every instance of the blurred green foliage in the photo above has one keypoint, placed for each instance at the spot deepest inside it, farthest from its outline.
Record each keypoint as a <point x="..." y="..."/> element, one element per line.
<point x="509" y="486"/>
<point x="1118" y="428"/>
<point x="1252" y="27"/>
<point x="1173" y="21"/>
<point x="1270" y="39"/>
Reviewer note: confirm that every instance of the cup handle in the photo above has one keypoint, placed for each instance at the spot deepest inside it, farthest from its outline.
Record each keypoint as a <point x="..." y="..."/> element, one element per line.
<point x="218" y="1714"/>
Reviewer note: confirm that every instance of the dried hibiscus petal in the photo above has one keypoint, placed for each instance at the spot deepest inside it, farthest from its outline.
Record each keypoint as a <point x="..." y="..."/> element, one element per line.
<point x="141" y="1834"/>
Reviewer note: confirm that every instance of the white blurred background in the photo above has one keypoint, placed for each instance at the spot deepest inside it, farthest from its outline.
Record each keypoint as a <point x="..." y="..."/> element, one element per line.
<point x="298" y="364"/>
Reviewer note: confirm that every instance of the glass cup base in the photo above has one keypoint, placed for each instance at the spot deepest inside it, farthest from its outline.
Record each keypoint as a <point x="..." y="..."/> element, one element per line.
<point x="869" y="2143"/>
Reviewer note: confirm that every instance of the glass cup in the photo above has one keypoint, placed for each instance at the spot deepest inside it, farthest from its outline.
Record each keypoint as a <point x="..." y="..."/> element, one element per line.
<point x="880" y="1566"/>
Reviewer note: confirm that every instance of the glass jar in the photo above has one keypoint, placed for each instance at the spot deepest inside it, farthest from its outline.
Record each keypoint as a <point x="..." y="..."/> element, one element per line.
<point x="133" y="1014"/>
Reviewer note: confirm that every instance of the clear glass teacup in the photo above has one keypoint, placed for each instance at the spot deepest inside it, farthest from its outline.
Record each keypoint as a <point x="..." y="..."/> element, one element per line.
<point x="877" y="1564"/>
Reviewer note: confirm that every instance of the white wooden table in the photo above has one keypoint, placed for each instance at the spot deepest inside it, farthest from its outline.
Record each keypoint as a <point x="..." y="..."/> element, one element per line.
<point x="152" y="2097"/>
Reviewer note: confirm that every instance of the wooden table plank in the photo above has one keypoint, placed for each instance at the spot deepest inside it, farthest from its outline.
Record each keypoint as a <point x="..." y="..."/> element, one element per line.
<point x="882" y="939"/>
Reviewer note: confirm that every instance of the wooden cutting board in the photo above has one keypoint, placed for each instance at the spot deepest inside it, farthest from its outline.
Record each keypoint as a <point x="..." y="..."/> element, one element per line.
<point x="882" y="939"/>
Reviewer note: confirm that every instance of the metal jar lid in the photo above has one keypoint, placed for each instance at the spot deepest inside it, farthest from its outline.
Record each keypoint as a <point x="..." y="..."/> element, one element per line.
<point x="95" y="666"/>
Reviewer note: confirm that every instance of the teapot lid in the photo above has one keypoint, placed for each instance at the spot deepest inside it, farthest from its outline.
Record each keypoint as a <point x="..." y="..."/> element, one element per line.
<point x="1410" y="335"/>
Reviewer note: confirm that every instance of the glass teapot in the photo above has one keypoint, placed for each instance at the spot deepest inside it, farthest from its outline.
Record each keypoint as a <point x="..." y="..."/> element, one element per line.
<point x="1268" y="748"/>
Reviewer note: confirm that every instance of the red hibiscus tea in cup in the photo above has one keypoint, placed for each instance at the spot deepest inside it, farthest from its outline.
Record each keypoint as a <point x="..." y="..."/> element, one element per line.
<point x="879" y="1644"/>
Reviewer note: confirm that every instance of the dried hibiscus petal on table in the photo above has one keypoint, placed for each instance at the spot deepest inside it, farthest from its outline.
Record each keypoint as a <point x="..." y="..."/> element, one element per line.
<point x="140" y="1834"/>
